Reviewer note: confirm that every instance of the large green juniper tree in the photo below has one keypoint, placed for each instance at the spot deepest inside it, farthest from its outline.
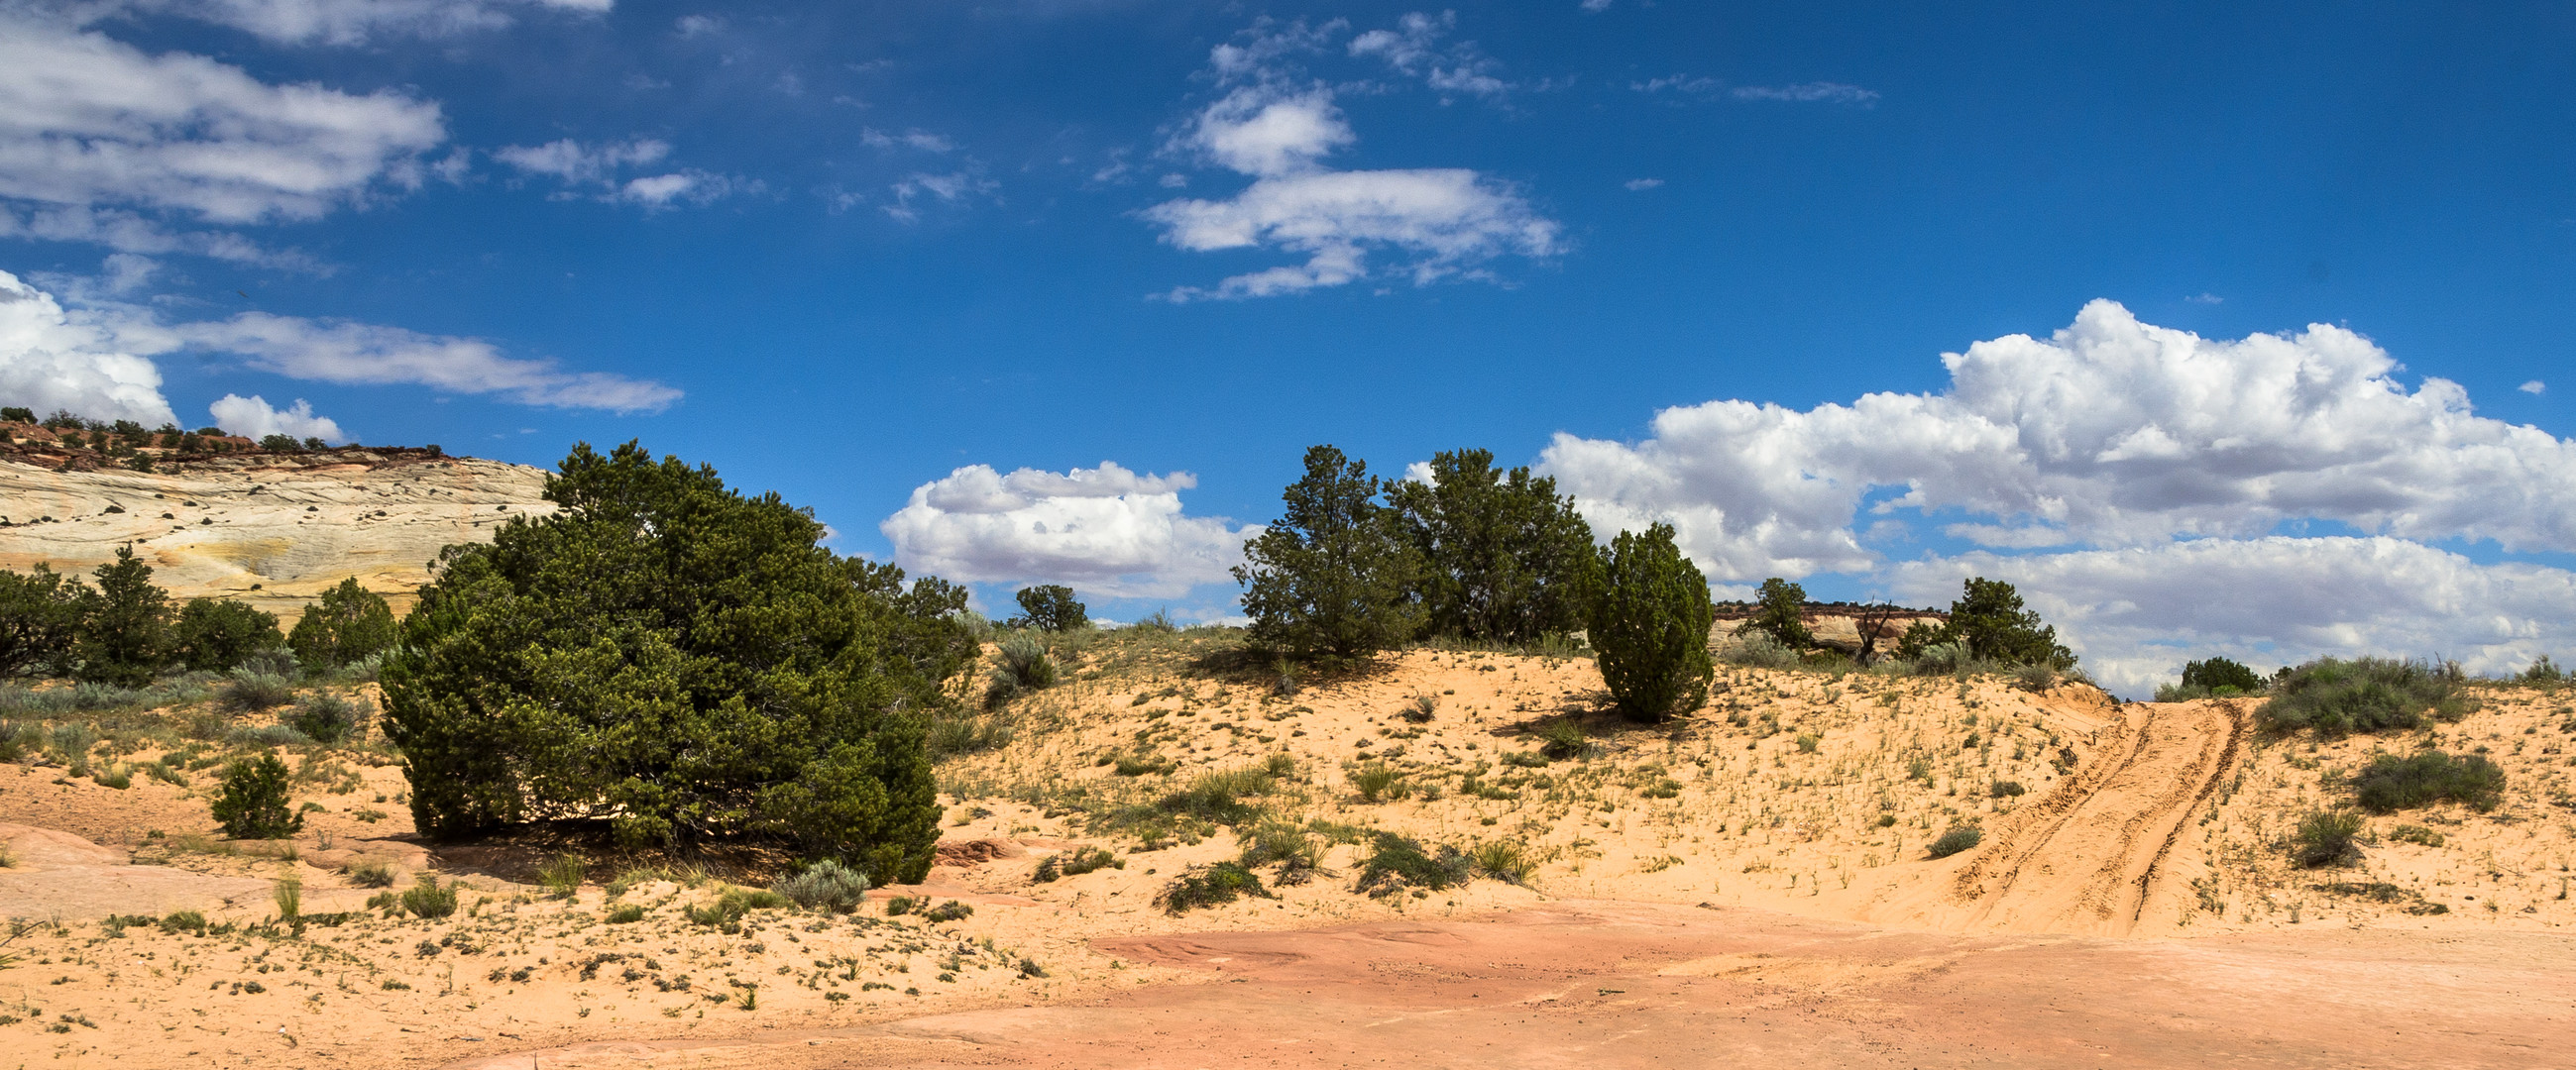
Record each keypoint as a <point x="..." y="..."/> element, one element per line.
<point x="683" y="662"/>
<point x="347" y="624"/>
<point x="125" y="626"/>
<point x="1650" y="627"/>
<point x="1335" y="575"/>
<point x="1506" y="558"/>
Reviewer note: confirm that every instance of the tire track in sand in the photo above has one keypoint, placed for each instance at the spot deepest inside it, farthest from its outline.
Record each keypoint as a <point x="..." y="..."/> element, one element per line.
<point x="2085" y="858"/>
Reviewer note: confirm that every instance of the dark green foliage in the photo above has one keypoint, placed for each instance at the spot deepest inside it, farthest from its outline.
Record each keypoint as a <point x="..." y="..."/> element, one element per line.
<point x="17" y="415"/>
<point x="348" y="624"/>
<point x="2221" y="677"/>
<point x="1335" y="574"/>
<point x="278" y="444"/>
<point x="1396" y="863"/>
<point x="951" y="910"/>
<point x="2326" y="839"/>
<point x="1562" y="738"/>
<point x="1959" y="838"/>
<point x="325" y="718"/>
<point x="2335" y="696"/>
<point x="728" y="908"/>
<point x="2543" y="672"/>
<point x="125" y="625"/>
<point x="2390" y="783"/>
<point x="428" y="899"/>
<point x="1919" y="637"/>
<point x="1990" y="620"/>
<point x="1650" y="627"/>
<point x="2005" y="788"/>
<point x="1207" y="886"/>
<point x="684" y="660"/>
<point x="254" y="803"/>
<point x="214" y="635"/>
<point x="1051" y="608"/>
<point x="40" y="615"/>
<point x="1777" y="614"/>
<point x="1506" y="559"/>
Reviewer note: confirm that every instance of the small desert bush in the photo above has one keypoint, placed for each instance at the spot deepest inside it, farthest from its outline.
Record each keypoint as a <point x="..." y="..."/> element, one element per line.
<point x="561" y="875"/>
<point x="325" y="718"/>
<point x="369" y="873"/>
<point x="268" y="735"/>
<point x="428" y="899"/>
<point x="1023" y="667"/>
<point x="2002" y="789"/>
<point x="951" y="910"/>
<point x="2390" y="783"/>
<point x="1207" y="886"/>
<point x="626" y="914"/>
<point x="1504" y="860"/>
<point x="2326" y="838"/>
<point x="1959" y="838"/>
<point x="117" y="775"/>
<point x="2334" y="696"/>
<point x="1757" y="650"/>
<point x="2542" y="673"/>
<point x="1398" y="862"/>
<point x="954" y="732"/>
<point x="249" y="691"/>
<point x="183" y="921"/>
<point x="1422" y="708"/>
<point x="1275" y="841"/>
<point x="1075" y="863"/>
<point x="2035" y="678"/>
<point x="253" y="805"/>
<point x="728" y="907"/>
<point x="1140" y="764"/>
<point x="826" y="885"/>
<point x="1563" y="738"/>
<point x="1378" y="782"/>
<point x="2417" y="834"/>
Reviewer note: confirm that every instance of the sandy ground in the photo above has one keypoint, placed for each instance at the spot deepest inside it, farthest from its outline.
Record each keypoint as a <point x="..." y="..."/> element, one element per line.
<point x="1747" y="885"/>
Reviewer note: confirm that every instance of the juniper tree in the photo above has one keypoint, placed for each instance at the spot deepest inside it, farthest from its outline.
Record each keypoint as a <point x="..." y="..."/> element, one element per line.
<point x="1335" y="575"/>
<point x="40" y="616"/>
<point x="1506" y="558"/>
<point x="346" y="625"/>
<point x="1780" y="613"/>
<point x="125" y="625"/>
<point x="1051" y="608"/>
<point x="213" y="635"/>
<point x="1650" y="627"/>
<point x="682" y="662"/>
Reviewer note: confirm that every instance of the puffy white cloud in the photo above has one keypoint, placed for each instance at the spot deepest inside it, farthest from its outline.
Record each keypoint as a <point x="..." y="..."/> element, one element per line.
<point x="2533" y="387"/>
<point x="351" y="22"/>
<point x="88" y="121"/>
<point x="2137" y="614"/>
<point x="340" y="351"/>
<point x="1447" y="220"/>
<point x="253" y="417"/>
<point x="2110" y="432"/>
<point x="1262" y="130"/>
<point x="1809" y="93"/>
<point x="52" y="360"/>
<point x="1413" y="48"/>
<point x="1105" y="530"/>
<point x="1444" y="222"/>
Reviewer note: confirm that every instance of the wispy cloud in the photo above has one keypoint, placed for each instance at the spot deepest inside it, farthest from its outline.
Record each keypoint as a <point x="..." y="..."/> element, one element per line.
<point x="1809" y="93"/>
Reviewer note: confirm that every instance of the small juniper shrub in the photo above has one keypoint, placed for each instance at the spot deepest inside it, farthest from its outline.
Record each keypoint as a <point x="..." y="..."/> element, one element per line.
<point x="1207" y="886"/>
<point x="1959" y="838"/>
<point x="253" y="805"/>
<point x="2003" y="789"/>
<point x="2390" y="783"/>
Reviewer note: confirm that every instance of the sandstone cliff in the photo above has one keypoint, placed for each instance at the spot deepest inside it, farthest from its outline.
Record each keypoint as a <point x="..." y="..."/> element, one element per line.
<point x="270" y="529"/>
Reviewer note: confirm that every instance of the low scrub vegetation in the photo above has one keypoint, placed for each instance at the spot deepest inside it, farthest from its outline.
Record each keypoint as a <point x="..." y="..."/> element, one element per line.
<point x="825" y="885"/>
<point x="2327" y="838"/>
<point x="1208" y="886"/>
<point x="1396" y="863"/>
<point x="2391" y="783"/>
<point x="1959" y="838"/>
<point x="2333" y="696"/>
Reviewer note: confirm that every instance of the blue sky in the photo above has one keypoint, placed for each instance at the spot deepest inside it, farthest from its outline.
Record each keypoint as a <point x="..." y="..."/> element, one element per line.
<point x="842" y="251"/>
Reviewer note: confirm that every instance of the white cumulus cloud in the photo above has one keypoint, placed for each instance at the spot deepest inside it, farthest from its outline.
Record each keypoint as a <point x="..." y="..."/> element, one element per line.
<point x="253" y="417"/>
<point x="1413" y="49"/>
<point x="341" y="351"/>
<point x="2143" y="472"/>
<point x="2534" y="387"/>
<point x="52" y="360"/>
<point x="89" y="121"/>
<point x="600" y="165"/>
<point x="1269" y="125"/>
<point x="1106" y="531"/>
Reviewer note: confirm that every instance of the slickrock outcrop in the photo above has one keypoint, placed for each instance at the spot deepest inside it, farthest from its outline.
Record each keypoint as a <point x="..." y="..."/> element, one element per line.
<point x="270" y="529"/>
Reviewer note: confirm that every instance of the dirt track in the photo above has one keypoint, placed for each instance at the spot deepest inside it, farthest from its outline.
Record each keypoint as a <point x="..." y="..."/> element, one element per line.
<point x="1623" y="984"/>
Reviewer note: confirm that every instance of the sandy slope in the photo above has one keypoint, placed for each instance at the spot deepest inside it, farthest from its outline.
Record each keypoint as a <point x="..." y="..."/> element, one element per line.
<point x="2134" y="906"/>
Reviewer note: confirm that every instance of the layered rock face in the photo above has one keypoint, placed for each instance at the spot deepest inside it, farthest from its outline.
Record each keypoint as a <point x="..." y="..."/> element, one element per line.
<point x="272" y="530"/>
